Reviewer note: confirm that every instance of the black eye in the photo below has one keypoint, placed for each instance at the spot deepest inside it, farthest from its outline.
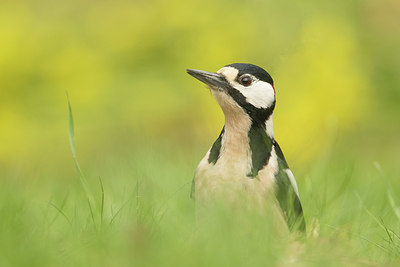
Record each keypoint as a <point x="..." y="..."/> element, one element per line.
<point x="245" y="80"/>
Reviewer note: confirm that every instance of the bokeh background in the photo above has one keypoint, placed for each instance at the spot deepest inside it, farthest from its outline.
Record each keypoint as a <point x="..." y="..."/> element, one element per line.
<point x="336" y="67"/>
<point x="123" y="63"/>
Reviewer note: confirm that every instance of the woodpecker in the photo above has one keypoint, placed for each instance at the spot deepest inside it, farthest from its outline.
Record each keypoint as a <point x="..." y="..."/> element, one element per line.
<point x="246" y="154"/>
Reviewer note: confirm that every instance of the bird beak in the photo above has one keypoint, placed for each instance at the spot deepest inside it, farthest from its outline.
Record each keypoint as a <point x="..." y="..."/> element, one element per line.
<point x="213" y="80"/>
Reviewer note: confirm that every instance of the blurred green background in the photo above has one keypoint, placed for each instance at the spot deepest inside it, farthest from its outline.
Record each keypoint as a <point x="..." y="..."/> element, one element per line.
<point x="335" y="64"/>
<point x="123" y="62"/>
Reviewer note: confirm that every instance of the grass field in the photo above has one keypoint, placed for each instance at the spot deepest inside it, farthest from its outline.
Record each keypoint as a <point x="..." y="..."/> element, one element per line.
<point x="135" y="210"/>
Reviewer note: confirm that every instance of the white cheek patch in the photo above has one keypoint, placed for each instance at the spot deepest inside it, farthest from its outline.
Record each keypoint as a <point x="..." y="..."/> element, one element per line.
<point x="260" y="94"/>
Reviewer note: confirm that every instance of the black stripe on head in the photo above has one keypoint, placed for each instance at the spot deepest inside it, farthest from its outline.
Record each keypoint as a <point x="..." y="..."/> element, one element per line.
<point x="257" y="115"/>
<point x="254" y="70"/>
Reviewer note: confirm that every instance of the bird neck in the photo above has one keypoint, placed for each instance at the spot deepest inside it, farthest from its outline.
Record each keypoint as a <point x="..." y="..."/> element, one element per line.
<point x="240" y="128"/>
<point x="244" y="140"/>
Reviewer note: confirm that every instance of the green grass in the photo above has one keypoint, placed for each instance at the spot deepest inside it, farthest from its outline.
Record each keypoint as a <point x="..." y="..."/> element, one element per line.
<point x="148" y="220"/>
<point x="135" y="210"/>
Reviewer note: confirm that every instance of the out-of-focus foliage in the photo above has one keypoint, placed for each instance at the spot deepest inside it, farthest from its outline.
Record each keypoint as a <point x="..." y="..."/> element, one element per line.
<point x="123" y="63"/>
<point x="142" y="124"/>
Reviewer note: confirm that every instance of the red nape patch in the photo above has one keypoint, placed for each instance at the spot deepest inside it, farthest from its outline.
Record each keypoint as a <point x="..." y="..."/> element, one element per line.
<point x="273" y="88"/>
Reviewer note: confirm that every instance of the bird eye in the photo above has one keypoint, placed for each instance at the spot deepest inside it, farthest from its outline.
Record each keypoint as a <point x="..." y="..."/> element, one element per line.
<point x="245" y="80"/>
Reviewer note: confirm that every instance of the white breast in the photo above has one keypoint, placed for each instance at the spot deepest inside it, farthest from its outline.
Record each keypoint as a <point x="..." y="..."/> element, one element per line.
<point x="228" y="179"/>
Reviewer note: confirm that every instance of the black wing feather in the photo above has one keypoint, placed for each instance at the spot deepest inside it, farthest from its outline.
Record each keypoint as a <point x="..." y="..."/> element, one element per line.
<point x="286" y="195"/>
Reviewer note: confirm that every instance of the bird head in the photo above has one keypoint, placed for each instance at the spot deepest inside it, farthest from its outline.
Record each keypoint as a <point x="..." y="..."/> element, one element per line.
<point x="241" y="87"/>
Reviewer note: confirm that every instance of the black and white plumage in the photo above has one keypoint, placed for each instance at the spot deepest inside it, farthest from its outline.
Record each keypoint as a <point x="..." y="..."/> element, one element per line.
<point x="246" y="154"/>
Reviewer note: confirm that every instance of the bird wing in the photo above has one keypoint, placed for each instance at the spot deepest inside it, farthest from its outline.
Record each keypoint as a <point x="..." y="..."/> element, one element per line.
<point x="287" y="193"/>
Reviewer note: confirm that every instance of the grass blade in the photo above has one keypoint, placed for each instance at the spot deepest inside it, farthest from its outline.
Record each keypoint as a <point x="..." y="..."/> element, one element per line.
<point x="82" y="178"/>
<point x="391" y="196"/>
<point x="62" y="213"/>
<point x="102" y="202"/>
